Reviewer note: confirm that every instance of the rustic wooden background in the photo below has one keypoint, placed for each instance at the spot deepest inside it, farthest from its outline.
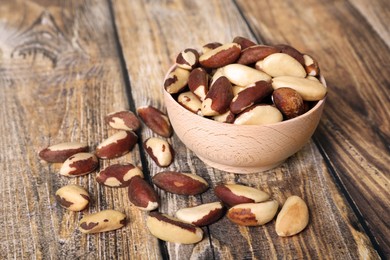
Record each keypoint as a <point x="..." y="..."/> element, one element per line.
<point x="66" y="64"/>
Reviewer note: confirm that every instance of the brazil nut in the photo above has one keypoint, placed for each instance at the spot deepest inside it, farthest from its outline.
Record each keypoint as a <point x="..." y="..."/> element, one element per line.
<point x="106" y="220"/>
<point x="79" y="164"/>
<point x="73" y="197"/>
<point x="116" y="145"/>
<point x="62" y="151"/>
<point x="118" y="175"/>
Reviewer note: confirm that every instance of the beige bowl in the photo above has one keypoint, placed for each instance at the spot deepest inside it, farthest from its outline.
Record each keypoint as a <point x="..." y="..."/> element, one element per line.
<point x="242" y="148"/>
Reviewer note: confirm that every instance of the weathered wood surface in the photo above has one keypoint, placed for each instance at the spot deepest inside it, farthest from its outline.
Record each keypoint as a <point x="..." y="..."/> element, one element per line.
<point x="65" y="64"/>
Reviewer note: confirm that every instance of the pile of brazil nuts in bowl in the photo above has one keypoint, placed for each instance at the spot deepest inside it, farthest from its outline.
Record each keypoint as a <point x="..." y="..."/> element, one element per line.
<point x="245" y="83"/>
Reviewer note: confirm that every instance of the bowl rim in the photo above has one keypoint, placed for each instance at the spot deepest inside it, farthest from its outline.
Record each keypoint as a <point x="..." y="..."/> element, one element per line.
<point x="317" y="106"/>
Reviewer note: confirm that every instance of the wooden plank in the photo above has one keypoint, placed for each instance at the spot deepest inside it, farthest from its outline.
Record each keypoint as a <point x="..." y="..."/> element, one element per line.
<point x="355" y="131"/>
<point x="151" y="35"/>
<point x="59" y="75"/>
<point x="377" y="14"/>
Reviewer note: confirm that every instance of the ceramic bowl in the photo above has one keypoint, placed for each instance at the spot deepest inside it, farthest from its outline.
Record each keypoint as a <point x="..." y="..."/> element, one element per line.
<point x="242" y="148"/>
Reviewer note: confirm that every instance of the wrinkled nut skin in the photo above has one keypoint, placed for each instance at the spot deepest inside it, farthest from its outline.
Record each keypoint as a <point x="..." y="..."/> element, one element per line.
<point x="234" y="194"/>
<point x="255" y="53"/>
<point x="309" y="90"/>
<point x="160" y="151"/>
<point x="156" y="120"/>
<point x="198" y="83"/>
<point x="284" y="48"/>
<point x="172" y="229"/>
<point x="201" y="215"/>
<point x="311" y="65"/>
<point x="243" y="42"/>
<point x="79" y="164"/>
<point x="289" y="102"/>
<point x="58" y="153"/>
<point x="250" y="95"/>
<point x="292" y="218"/>
<point x="142" y="195"/>
<point x="217" y="100"/>
<point x="221" y="56"/>
<point x="190" y="101"/>
<point x="180" y="183"/>
<point x="102" y="221"/>
<point x="118" y="175"/>
<point x="176" y="80"/>
<point x="116" y="145"/>
<point x="253" y="214"/>
<point x="259" y="114"/>
<point x="187" y="59"/>
<point x="123" y="120"/>
<point x="73" y="197"/>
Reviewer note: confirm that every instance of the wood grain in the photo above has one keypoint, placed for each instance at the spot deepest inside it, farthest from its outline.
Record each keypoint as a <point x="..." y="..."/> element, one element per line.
<point x="59" y="74"/>
<point x="151" y="35"/>
<point x="355" y="130"/>
<point x="66" y="64"/>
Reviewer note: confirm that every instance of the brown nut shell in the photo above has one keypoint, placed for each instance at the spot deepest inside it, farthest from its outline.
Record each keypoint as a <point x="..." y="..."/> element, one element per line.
<point x="202" y="215"/>
<point x="123" y="120"/>
<point x="118" y="175"/>
<point x="116" y="145"/>
<point x="180" y="183"/>
<point x="221" y="56"/>
<point x="62" y="151"/>
<point x="142" y="195"/>
<point x="79" y="164"/>
<point x="289" y="102"/>
<point x="234" y="194"/>
<point x="250" y="95"/>
<point x="156" y="120"/>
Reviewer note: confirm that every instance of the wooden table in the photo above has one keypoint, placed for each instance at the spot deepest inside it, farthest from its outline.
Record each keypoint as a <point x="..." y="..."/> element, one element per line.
<point x="65" y="64"/>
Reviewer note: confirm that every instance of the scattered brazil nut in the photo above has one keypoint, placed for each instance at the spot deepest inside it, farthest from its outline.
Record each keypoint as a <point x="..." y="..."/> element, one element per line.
<point x="171" y="229"/>
<point x="79" y="164"/>
<point x="289" y="102"/>
<point x="156" y="120"/>
<point x="180" y="183"/>
<point x="102" y="221"/>
<point x="159" y="150"/>
<point x="259" y="115"/>
<point x="118" y="175"/>
<point x="292" y="218"/>
<point x="116" y="145"/>
<point x="234" y="194"/>
<point x="202" y="215"/>
<point x="58" y="153"/>
<point x="123" y="120"/>
<point x="310" y="90"/>
<point x="73" y="197"/>
<point x="142" y="195"/>
<point x="253" y="214"/>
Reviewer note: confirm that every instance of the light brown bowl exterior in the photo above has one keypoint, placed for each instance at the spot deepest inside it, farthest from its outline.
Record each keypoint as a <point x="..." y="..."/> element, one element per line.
<point x="242" y="148"/>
